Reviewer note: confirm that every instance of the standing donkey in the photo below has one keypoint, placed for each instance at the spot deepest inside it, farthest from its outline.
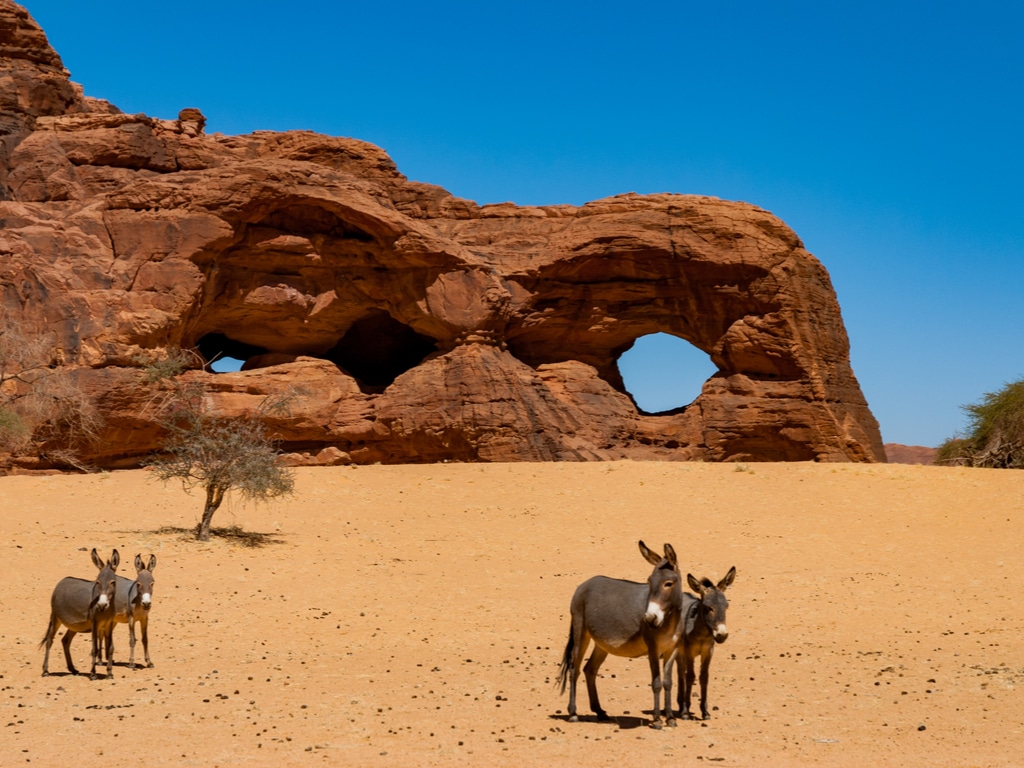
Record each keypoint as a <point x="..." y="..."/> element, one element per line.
<point x="629" y="619"/>
<point x="703" y="628"/>
<point x="132" y="603"/>
<point x="82" y="606"/>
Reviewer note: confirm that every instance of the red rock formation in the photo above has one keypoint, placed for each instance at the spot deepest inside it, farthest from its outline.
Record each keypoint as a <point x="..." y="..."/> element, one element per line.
<point x="408" y="324"/>
<point x="909" y="454"/>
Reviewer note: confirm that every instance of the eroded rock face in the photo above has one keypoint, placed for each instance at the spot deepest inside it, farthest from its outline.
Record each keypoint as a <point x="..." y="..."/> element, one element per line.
<point x="407" y="324"/>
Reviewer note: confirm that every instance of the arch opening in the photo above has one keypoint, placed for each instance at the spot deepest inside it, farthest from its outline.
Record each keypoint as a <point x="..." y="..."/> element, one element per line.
<point x="222" y="354"/>
<point x="378" y="349"/>
<point x="664" y="373"/>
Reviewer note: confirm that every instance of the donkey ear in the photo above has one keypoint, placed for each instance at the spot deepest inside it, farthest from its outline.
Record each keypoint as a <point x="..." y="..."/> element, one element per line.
<point x="152" y="562"/>
<point x="728" y="579"/>
<point x="670" y="555"/>
<point x="649" y="554"/>
<point x="115" y="560"/>
<point x="96" y="559"/>
<point x="139" y="565"/>
<point x="695" y="585"/>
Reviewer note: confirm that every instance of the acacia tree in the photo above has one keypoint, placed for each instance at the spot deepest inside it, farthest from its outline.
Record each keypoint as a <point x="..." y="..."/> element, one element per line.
<point x="995" y="436"/>
<point x="220" y="454"/>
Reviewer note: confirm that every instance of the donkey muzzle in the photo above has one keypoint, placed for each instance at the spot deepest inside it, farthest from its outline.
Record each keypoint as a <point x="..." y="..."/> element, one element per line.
<point x="720" y="633"/>
<point x="655" y="614"/>
<point x="147" y="601"/>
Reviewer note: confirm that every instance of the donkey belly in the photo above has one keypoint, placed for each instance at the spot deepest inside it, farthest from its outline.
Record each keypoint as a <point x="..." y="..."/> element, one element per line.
<point x="630" y="648"/>
<point x="70" y="603"/>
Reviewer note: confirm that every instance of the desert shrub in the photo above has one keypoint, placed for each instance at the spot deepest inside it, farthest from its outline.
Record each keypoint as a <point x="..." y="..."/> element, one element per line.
<point x="14" y="432"/>
<point x="167" y="366"/>
<point x="995" y="432"/>
<point x="219" y="454"/>
<point x="42" y="407"/>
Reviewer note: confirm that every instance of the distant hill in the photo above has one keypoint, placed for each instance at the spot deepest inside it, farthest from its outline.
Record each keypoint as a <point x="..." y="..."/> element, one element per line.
<point x="909" y="454"/>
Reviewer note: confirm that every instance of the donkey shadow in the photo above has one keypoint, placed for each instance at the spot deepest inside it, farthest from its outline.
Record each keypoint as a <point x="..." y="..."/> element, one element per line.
<point x="622" y="722"/>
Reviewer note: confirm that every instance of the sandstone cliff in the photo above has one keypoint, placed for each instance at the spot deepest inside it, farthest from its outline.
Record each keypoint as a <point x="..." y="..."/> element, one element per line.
<point x="408" y="324"/>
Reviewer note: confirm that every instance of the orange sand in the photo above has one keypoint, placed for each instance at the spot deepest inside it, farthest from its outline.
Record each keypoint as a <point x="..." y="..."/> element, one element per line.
<point x="416" y="615"/>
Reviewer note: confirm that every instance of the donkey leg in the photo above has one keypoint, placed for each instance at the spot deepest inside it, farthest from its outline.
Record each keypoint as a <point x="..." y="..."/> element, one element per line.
<point x="666" y="679"/>
<point x="686" y="678"/>
<point x="657" y="683"/>
<point x="590" y="670"/>
<point x="51" y="632"/>
<point x="66" y="642"/>
<point x="145" y="638"/>
<point x="131" y="641"/>
<point x="95" y="652"/>
<point x="110" y="651"/>
<point x="705" y="667"/>
<point x="581" y="640"/>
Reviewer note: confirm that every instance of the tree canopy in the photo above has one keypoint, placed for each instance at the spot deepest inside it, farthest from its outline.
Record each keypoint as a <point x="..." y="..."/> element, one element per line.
<point x="220" y="454"/>
<point x="995" y="432"/>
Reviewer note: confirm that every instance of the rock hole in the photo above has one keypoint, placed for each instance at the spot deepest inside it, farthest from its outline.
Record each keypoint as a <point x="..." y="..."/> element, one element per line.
<point x="378" y="349"/>
<point x="226" y="364"/>
<point x="664" y="373"/>
<point x="222" y="353"/>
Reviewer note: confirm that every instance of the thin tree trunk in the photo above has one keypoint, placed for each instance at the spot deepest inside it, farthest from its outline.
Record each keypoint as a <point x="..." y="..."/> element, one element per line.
<point x="214" y="496"/>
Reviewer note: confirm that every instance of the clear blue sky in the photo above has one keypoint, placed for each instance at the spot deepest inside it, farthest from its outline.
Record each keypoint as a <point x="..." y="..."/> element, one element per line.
<point x="887" y="134"/>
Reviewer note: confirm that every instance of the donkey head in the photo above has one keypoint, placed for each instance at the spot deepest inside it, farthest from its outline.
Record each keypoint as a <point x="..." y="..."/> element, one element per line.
<point x="144" y="580"/>
<point x="713" y="604"/>
<point x="664" y="585"/>
<point x="105" y="587"/>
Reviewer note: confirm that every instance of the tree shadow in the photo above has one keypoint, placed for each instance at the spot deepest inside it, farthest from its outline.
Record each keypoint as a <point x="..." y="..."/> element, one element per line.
<point x="233" y="534"/>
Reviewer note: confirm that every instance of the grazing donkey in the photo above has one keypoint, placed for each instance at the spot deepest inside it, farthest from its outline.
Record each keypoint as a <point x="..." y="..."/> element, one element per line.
<point x="82" y="605"/>
<point x="630" y="619"/>
<point x="132" y="603"/>
<point x="703" y="628"/>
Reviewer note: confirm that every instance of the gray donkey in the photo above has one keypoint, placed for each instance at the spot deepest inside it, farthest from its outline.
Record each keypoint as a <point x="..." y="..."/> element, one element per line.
<point x="704" y="628"/>
<point x="132" y="603"/>
<point x="83" y="606"/>
<point x="630" y="619"/>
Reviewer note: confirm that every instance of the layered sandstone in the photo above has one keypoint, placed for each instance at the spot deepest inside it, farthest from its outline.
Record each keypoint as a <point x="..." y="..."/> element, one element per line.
<point x="405" y="323"/>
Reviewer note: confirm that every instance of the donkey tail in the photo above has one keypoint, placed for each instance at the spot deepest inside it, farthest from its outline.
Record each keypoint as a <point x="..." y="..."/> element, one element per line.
<point x="563" y="670"/>
<point x="50" y="632"/>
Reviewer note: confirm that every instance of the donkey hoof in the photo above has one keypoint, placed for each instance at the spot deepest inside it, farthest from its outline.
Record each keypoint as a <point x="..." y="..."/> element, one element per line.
<point x="574" y="718"/>
<point x="656" y="725"/>
<point x="671" y="723"/>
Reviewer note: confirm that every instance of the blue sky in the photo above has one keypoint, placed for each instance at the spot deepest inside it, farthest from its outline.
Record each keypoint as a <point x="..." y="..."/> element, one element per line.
<point x="888" y="135"/>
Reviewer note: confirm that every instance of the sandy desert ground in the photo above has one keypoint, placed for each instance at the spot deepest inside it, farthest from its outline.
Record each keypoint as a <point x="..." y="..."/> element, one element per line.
<point x="416" y="615"/>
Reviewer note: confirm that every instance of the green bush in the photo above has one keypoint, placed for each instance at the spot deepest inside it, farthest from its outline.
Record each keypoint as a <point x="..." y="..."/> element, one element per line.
<point x="995" y="432"/>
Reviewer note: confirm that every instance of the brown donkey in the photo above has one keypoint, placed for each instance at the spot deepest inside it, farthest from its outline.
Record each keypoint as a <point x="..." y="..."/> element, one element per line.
<point x="82" y="606"/>
<point x="703" y="628"/>
<point x="630" y="619"/>
<point x="132" y="603"/>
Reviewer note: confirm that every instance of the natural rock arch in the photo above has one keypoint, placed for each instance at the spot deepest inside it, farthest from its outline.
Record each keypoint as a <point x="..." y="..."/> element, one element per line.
<point x="498" y="328"/>
<point x="675" y="384"/>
